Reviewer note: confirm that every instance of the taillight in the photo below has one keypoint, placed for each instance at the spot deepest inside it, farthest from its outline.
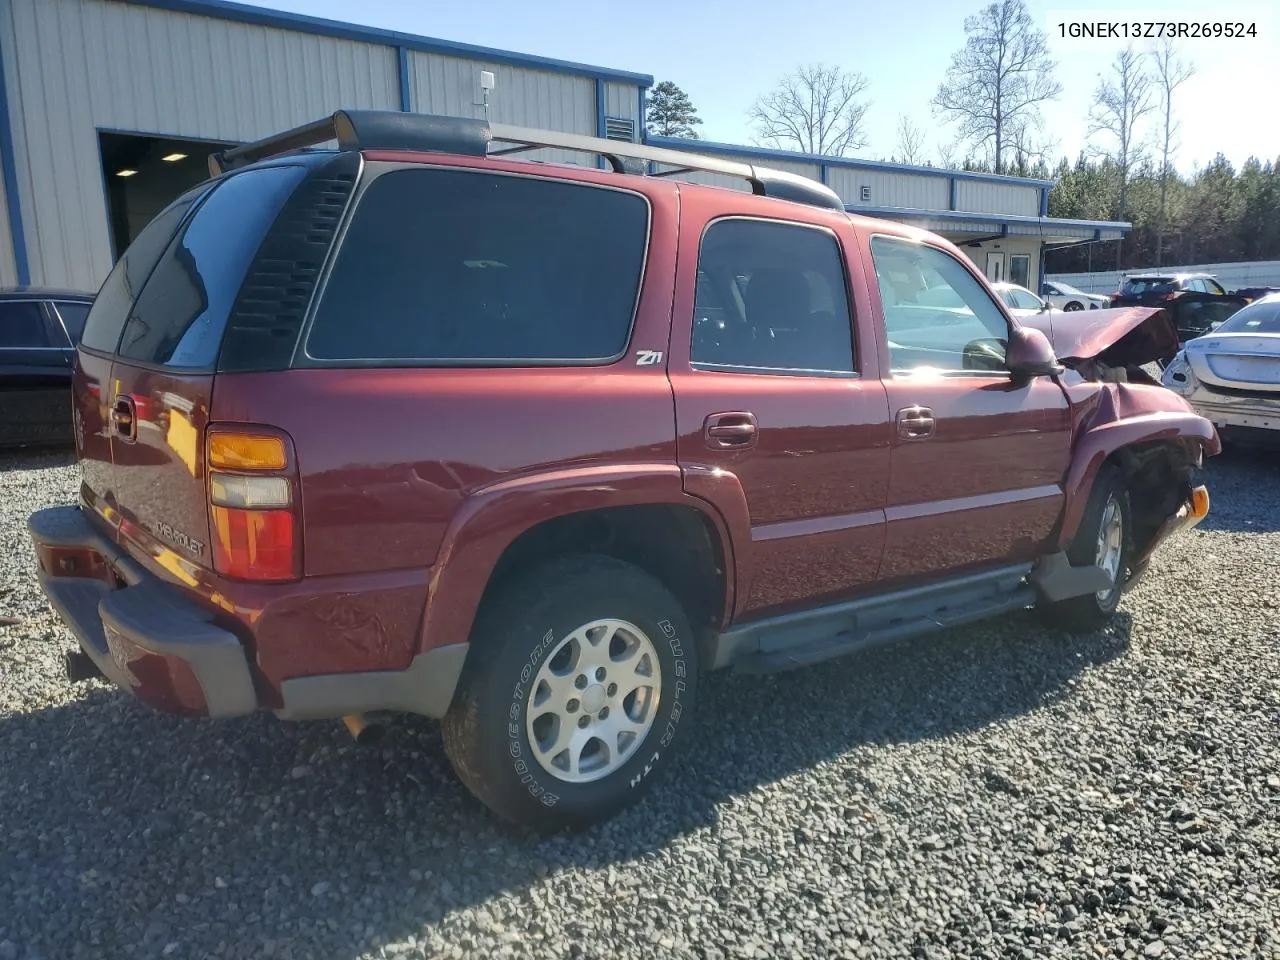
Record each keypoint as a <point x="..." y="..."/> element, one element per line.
<point x="253" y="509"/>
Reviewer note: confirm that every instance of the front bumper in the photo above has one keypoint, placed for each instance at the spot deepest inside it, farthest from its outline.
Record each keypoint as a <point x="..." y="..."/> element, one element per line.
<point x="1189" y="515"/>
<point x="141" y="634"/>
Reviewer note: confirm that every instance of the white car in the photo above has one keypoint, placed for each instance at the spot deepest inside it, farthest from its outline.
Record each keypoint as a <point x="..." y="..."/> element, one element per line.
<point x="1020" y="301"/>
<point x="1232" y="374"/>
<point x="1066" y="297"/>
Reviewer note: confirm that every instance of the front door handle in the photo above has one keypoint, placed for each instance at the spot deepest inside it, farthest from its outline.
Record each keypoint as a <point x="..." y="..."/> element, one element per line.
<point x="915" y="423"/>
<point x="730" y="431"/>
<point x="124" y="418"/>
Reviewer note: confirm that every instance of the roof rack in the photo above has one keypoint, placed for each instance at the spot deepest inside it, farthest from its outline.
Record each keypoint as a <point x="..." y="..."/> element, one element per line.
<point x="389" y="130"/>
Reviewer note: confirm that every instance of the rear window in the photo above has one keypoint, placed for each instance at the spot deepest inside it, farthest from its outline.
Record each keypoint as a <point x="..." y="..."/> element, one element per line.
<point x="1141" y="286"/>
<point x="1260" y="317"/>
<point x="179" y="319"/>
<point x="454" y="267"/>
<point x="124" y="283"/>
<point x="73" y="315"/>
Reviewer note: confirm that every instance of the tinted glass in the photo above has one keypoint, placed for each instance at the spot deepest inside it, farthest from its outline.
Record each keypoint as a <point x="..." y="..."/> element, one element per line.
<point x="179" y="319"/>
<point x="111" y="306"/>
<point x="1262" y="316"/>
<point x="790" y="310"/>
<point x="22" y="325"/>
<point x="937" y="315"/>
<point x="453" y="267"/>
<point x="73" y="317"/>
<point x="1142" y="286"/>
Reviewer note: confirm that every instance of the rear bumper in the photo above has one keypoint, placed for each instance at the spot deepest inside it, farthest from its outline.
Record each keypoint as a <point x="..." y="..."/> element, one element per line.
<point x="142" y="634"/>
<point x="1242" y="413"/>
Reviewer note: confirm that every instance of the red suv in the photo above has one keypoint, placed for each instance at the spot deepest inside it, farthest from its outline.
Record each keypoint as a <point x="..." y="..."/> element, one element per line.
<point x="416" y="425"/>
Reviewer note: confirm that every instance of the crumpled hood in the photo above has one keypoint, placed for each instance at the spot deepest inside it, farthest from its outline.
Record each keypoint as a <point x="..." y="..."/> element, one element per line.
<point x="1119" y="337"/>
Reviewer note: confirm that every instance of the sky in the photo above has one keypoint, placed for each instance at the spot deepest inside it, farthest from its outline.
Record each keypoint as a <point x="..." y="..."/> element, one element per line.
<point x="724" y="54"/>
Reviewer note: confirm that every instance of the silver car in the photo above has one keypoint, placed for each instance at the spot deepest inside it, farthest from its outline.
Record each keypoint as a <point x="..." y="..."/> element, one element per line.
<point x="1232" y="374"/>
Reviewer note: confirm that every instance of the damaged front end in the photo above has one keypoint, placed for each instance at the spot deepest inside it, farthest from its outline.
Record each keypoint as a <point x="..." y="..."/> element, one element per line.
<point x="1111" y="346"/>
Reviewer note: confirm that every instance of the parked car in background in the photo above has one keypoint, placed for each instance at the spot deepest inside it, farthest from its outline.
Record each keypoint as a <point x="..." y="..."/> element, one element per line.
<point x="657" y="428"/>
<point x="1020" y="301"/>
<point x="1196" y="301"/>
<point x="1232" y="375"/>
<point x="1063" y="296"/>
<point x="38" y="332"/>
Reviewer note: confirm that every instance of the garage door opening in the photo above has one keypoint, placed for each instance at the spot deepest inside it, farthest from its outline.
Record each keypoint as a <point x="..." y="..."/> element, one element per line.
<point x="143" y="174"/>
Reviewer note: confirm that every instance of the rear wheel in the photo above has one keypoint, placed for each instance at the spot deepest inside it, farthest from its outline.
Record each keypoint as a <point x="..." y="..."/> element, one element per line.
<point x="1104" y="539"/>
<point x="577" y="693"/>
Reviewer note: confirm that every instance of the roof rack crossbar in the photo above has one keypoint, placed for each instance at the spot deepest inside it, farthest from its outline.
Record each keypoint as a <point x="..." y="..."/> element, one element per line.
<point x="388" y="130"/>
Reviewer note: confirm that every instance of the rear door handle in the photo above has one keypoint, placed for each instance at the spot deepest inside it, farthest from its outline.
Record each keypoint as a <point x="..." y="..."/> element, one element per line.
<point x="730" y="431"/>
<point x="915" y="423"/>
<point x="124" y="418"/>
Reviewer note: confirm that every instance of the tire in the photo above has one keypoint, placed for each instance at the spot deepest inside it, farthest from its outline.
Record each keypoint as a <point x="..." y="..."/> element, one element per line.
<point x="529" y="636"/>
<point x="1093" y="612"/>
<point x="1073" y="305"/>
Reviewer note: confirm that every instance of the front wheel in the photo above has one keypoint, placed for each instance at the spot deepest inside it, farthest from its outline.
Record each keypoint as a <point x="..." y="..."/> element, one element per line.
<point x="1104" y="539"/>
<point x="1074" y="305"/>
<point x="578" y="690"/>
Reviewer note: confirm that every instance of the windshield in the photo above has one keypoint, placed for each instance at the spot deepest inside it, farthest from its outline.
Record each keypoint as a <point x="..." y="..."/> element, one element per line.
<point x="1260" y="317"/>
<point x="1138" y="286"/>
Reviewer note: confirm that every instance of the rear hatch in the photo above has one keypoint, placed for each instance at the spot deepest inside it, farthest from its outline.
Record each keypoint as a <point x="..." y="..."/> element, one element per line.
<point x="154" y="342"/>
<point x="1237" y="361"/>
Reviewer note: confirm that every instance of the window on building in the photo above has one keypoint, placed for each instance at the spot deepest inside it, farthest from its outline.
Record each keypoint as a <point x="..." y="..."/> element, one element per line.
<point x="937" y="315"/>
<point x="22" y="325"/>
<point x="1020" y="269"/>
<point x="771" y="297"/>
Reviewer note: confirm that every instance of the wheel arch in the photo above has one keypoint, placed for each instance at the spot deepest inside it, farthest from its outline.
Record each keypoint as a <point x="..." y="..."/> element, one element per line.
<point x="639" y="514"/>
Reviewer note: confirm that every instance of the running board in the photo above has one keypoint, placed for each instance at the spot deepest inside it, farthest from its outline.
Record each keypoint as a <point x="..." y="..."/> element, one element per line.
<point x="812" y="636"/>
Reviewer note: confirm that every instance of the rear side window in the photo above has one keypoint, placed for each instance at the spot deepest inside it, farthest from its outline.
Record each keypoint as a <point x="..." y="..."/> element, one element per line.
<point x="771" y="297"/>
<point x="112" y="305"/>
<point x="22" y="325"/>
<point x="179" y="319"/>
<point x="451" y="267"/>
<point x="73" y="316"/>
<point x="1142" y="287"/>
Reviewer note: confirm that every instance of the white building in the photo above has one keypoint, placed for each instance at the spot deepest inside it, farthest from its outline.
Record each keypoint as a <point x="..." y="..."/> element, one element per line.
<point x="109" y="108"/>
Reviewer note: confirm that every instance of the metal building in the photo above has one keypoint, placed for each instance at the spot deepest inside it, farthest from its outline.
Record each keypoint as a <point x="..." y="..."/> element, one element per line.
<point x="1001" y="222"/>
<point x="109" y="108"/>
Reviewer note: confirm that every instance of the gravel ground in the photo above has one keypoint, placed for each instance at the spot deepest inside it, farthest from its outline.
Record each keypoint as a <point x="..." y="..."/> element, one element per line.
<point x="998" y="791"/>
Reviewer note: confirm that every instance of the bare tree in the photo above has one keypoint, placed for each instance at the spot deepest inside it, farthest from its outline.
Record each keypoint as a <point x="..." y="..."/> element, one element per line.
<point x="910" y="142"/>
<point x="1119" y="103"/>
<point x="817" y="109"/>
<point x="1171" y="73"/>
<point x="998" y="79"/>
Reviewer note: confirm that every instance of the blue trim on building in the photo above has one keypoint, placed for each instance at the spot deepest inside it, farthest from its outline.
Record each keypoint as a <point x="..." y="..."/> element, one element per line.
<point x="263" y="17"/>
<point x="824" y="173"/>
<point x="601" y="128"/>
<point x="1044" y="202"/>
<point x="643" y="95"/>
<point x="999" y="219"/>
<point x="952" y="192"/>
<point x="768" y="153"/>
<point x="406" y="90"/>
<point x="13" y="200"/>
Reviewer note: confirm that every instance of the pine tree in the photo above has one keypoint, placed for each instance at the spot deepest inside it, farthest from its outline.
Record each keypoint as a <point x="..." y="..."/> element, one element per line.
<point x="670" y="113"/>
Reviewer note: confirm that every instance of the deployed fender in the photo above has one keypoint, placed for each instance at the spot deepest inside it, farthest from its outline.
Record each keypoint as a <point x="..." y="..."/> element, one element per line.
<point x="492" y="518"/>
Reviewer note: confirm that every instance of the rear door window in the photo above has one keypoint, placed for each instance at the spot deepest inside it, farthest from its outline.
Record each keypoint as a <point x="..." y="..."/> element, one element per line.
<point x="450" y="267"/>
<point x="22" y="325"/>
<point x="179" y="319"/>
<point x="112" y="305"/>
<point x="73" y="316"/>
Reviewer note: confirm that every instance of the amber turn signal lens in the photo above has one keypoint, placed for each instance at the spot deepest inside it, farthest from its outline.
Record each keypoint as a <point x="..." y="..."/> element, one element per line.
<point x="243" y="451"/>
<point x="1200" y="502"/>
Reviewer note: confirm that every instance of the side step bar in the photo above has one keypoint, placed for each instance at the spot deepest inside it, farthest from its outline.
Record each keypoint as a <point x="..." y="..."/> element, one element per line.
<point x="811" y="636"/>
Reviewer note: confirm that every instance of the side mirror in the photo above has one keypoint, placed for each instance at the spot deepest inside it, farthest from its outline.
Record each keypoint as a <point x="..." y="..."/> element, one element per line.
<point x="1031" y="355"/>
<point x="1044" y="306"/>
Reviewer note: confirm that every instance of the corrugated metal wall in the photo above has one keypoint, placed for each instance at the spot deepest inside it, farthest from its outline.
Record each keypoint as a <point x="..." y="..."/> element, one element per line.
<point x="889" y="189"/>
<point x="622" y="100"/>
<point x="83" y="65"/>
<point x="983" y="196"/>
<point x="8" y="267"/>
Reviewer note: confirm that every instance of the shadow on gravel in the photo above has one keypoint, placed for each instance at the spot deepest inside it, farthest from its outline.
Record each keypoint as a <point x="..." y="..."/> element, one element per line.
<point x="1243" y="490"/>
<point x="125" y="830"/>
